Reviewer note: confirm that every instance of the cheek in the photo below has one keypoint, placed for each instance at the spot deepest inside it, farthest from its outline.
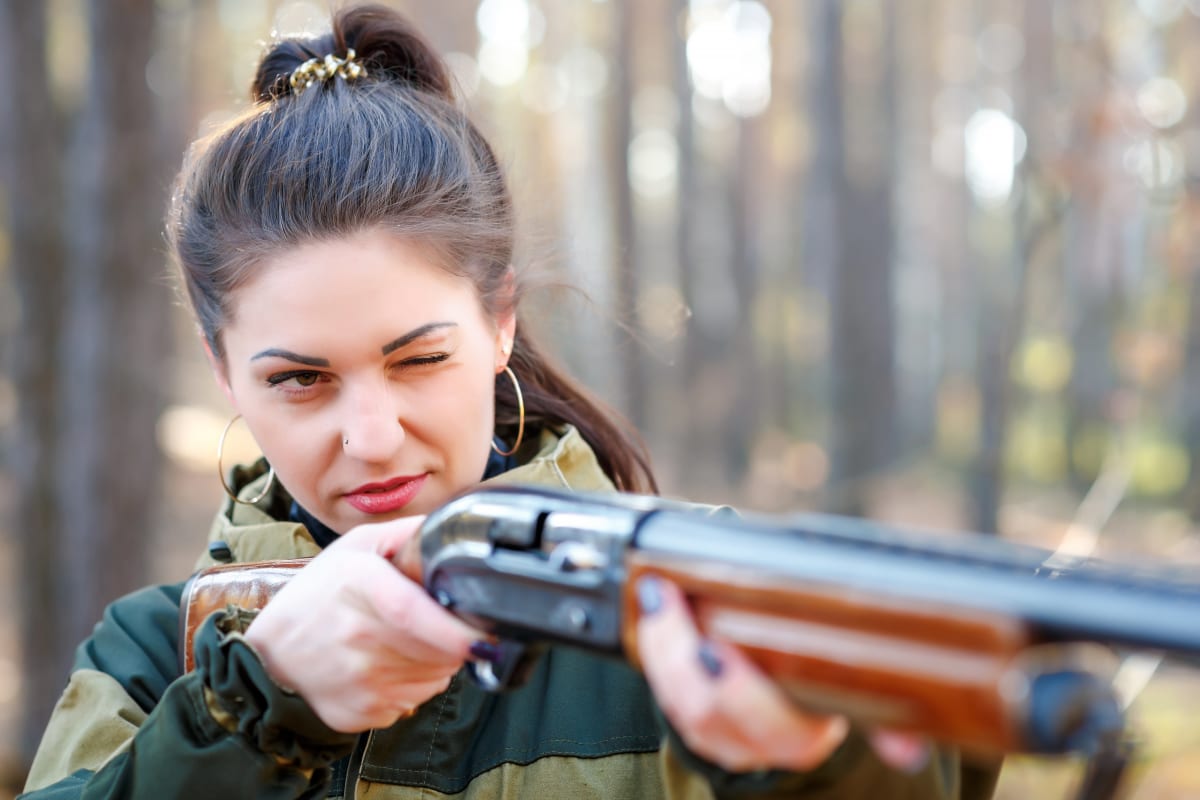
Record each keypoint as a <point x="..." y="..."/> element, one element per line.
<point x="462" y="412"/>
<point x="463" y="416"/>
<point x="293" y="446"/>
<point x="299" y="461"/>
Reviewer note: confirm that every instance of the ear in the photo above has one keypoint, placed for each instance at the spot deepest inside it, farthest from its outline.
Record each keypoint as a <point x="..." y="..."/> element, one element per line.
<point x="219" y="372"/>
<point x="506" y="326"/>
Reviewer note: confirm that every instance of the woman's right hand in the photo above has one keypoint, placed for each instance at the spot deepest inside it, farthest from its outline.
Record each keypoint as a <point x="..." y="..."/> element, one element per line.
<point x="361" y="643"/>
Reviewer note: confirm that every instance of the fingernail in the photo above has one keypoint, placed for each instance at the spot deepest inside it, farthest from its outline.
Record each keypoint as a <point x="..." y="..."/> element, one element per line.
<point x="709" y="659"/>
<point x="903" y="752"/>
<point x="649" y="594"/>
<point x="483" y="650"/>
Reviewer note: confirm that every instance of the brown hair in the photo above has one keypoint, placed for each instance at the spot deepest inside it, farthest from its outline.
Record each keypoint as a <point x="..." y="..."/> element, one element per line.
<point x="390" y="150"/>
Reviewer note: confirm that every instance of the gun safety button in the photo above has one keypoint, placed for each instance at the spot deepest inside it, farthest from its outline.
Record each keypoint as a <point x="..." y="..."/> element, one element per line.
<point x="577" y="556"/>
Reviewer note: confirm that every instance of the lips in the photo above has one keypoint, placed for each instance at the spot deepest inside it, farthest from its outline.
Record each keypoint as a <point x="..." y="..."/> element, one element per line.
<point x="384" y="498"/>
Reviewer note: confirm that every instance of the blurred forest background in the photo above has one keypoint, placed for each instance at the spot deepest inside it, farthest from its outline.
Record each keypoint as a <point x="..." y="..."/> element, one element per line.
<point x="931" y="261"/>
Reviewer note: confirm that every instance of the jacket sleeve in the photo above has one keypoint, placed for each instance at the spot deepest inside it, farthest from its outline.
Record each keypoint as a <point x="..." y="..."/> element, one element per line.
<point x="852" y="772"/>
<point x="128" y="726"/>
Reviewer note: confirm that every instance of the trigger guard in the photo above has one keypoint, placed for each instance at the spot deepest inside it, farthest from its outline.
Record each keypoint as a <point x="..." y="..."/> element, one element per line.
<point x="508" y="671"/>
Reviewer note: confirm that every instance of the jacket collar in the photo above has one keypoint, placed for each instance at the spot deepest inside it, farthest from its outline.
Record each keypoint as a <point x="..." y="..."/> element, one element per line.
<point x="262" y="532"/>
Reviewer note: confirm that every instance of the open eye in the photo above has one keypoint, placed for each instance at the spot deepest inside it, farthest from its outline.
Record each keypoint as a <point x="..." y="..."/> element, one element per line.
<point x="302" y="378"/>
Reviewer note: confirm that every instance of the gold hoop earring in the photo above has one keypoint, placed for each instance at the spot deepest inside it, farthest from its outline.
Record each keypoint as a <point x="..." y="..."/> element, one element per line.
<point x="221" y="470"/>
<point x="520" y="416"/>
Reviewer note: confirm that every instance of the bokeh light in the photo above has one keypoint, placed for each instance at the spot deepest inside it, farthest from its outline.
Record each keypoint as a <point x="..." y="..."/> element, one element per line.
<point x="1162" y="102"/>
<point x="508" y="29"/>
<point x="1159" y="163"/>
<point x="654" y="163"/>
<point x="730" y="57"/>
<point x="994" y="146"/>
<point x="1161" y="12"/>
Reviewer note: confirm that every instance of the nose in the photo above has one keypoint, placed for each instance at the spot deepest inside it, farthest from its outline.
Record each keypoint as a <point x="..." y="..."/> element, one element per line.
<point x="372" y="429"/>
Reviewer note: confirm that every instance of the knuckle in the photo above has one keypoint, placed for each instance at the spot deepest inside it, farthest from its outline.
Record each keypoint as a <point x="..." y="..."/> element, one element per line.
<point x="360" y="669"/>
<point x="700" y="715"/>
<point x="396" y="607"/>
<point x="355" y="633"/>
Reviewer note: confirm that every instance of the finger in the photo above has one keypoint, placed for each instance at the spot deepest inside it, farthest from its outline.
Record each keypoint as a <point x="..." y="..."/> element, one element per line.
<point x="410" y="695"/>
<point x="666" y="642"/>
<point x="668" y="649"/>
<point x="384" y="538"/>
<point x="404" y="609"/>
<point x="723" y="706"/>
<point x="776" y="728"/>
<point x="906" y="752"/>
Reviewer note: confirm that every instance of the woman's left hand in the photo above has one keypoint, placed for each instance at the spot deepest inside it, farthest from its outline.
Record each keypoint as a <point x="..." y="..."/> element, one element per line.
<point x="725" y="709"/>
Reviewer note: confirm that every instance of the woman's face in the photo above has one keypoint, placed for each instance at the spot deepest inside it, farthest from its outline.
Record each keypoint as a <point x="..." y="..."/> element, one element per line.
<point x="366" y="374"/>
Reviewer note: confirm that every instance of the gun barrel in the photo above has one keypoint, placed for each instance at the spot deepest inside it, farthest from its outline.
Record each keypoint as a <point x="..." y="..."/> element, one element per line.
<point x="1090" y="601"/>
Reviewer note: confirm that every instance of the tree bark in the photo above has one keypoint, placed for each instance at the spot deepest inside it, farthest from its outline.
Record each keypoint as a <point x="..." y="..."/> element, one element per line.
<point x="38" y="275"/>
<point x="685" y="227"/>
<point x="117" y="331"/>
<point x="93" y="334"/>
<point x="861" y="303"/>
<point x="627" y="288"/>
<point x="740" y="429"/>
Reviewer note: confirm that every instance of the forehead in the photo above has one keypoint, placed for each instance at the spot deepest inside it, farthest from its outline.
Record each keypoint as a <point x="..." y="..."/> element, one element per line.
<point x="371" y="283"/>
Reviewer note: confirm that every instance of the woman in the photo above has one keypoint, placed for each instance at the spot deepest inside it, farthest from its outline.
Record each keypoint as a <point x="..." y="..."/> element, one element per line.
<point x="346" y="248"/>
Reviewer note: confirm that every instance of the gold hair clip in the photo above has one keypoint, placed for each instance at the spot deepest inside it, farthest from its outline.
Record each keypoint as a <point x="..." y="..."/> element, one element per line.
<point x="319" y="70"/>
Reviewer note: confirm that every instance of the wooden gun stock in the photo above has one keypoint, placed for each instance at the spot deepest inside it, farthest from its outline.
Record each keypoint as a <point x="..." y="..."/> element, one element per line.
<point x="251" y="586"/>
<point x="248" y="586"/>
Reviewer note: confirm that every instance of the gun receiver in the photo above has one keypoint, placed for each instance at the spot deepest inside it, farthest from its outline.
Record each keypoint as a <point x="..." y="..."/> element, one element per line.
<point x="969" y="640"/>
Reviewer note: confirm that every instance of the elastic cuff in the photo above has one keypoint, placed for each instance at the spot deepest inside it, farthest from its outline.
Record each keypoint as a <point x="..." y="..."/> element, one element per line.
<point x="245" y="700"/>
<point x="766" y="784"/>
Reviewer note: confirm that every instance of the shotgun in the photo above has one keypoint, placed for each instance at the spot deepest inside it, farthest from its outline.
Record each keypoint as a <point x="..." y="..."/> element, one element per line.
<point x="981" y="643"/>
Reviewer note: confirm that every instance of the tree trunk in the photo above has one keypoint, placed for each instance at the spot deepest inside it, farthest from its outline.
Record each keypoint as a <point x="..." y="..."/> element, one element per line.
<point x="627" y="289"/>
<point x="1004" y="300"/>
<point x="862" y="315"/>
<point x="740" y="429"/>
<point x="117" y="331"/>
<point x="37" y="259"/>
<point x="685" y="249"/>
<point x="93" y="336"/>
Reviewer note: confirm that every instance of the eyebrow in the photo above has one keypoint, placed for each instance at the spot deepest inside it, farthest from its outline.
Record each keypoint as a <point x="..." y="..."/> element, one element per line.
<point x="390" y="347"/>
<point x="276" y="352"/>
<point x="414" y="334"/>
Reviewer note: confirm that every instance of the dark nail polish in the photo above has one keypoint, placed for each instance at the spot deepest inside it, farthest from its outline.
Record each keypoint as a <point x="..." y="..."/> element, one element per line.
<point x="710" y="660"/>
<point x="649" y="595"/>
<point x="485" y="651"/>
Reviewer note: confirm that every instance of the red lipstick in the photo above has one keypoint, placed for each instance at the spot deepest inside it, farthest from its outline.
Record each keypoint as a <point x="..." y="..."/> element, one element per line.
<point x="386" y="497"/>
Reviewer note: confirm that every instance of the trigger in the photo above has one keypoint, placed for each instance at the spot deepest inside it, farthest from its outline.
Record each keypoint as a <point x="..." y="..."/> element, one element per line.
<point x="508" y="670"/>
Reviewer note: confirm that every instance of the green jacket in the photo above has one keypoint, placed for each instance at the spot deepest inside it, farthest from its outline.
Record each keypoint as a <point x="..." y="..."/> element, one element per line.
<point x="130" y="726"/>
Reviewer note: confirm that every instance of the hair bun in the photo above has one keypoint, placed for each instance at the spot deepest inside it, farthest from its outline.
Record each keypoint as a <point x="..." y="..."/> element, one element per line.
<point x="384" y="42"/>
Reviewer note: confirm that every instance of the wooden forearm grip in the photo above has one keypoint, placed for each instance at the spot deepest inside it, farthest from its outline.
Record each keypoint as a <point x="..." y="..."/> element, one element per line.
<point x="946" y="673"/>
